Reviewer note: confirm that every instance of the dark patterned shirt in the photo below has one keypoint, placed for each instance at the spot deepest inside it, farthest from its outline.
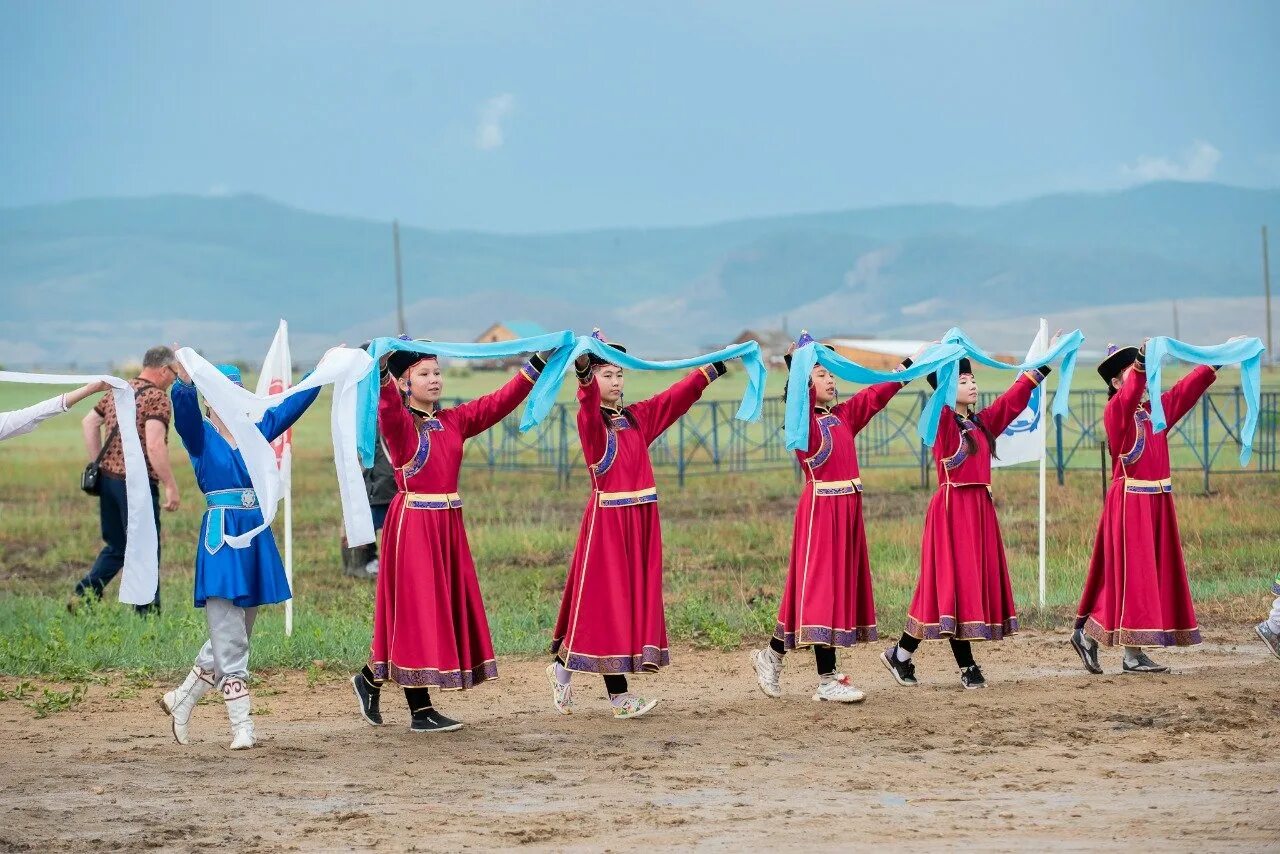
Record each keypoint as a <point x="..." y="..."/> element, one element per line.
<point x="152" y="404"/>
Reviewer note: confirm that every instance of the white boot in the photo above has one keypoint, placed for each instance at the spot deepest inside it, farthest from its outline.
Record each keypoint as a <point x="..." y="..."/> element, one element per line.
<point x="236" y="694"/>
<point x="180" y="703"/>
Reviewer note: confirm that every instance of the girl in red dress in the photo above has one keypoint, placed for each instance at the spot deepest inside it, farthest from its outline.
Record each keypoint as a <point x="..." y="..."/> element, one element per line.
<point x="828" y="601"/>
<point x="1137" y="594"/>
<point x="611" y="620"/>
<point x="963" y="593"/>
<point x="429" y="625"/>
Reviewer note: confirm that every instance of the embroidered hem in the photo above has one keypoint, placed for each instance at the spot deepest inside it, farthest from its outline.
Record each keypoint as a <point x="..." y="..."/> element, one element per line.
<point x="649" y="660"/>
<point x="947" y="627"/>
<point x="1138" y="637"/>
<point x="825" y="636"/>
<point x="430" y="677"/>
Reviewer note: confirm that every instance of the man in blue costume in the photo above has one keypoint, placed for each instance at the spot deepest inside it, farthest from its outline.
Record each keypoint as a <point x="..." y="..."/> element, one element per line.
<point x="230" y="583"/>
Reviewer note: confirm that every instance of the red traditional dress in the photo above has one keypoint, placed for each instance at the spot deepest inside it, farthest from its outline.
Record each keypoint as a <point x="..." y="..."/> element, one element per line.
<point x="611" y="619"/>
<point x="429" y="625"/>
<point x="964" y="590"/>
<point x="1136" y="593"/>
<point x="828" y="598"/>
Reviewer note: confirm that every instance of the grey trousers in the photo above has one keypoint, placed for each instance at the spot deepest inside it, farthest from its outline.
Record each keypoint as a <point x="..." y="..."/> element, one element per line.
<point x="226" y="652"/>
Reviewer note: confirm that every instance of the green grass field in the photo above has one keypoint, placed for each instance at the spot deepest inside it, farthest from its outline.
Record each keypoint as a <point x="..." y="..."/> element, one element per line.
<point x="727" y="538"/>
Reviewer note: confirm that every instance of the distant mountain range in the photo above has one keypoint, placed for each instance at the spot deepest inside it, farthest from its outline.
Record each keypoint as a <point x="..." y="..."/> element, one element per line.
<point x="97" y="281"/>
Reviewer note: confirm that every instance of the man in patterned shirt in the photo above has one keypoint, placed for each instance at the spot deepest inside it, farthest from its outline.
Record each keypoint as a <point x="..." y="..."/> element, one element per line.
<point x="154" y="413"/>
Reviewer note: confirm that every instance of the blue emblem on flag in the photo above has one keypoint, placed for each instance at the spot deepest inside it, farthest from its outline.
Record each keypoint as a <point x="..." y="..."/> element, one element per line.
<point x="1023" y="424"/>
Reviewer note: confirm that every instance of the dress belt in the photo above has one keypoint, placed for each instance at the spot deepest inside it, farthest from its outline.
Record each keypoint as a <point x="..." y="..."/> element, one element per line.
<point x="628" y="499"/>
<point x="837" y="487"/>
<point x="1148" y="487"/>
<point x="432" y="500"/>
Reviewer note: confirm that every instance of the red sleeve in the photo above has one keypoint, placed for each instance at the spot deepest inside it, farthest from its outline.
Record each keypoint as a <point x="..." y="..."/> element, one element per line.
<point x="858" y="410"/>
<point x="662" y="410"/>
<point x="476" y="416"/>
<point x="1001" y="412"/>
<point x="1185" y="393"/>
<point x="1129" y="395"/>
<point x="395" y="423"/>
<point x="592" y="434"/>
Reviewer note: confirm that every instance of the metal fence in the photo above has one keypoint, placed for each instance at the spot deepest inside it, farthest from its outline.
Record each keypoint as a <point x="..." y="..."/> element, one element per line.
<point x="709" y="440"/>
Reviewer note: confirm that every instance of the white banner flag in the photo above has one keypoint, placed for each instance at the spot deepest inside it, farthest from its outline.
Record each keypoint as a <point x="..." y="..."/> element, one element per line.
<point x="1023" y="441"/>
<point x="277" y="376"/>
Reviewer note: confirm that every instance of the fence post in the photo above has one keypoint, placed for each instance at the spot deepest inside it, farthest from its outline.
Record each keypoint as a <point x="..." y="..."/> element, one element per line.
<point x="562" y="462"/>
<point x="1204" y="439"/>
<point x="680" y="454"/>
<point x="1057" y="422"/>
<point x="715" y="433"/>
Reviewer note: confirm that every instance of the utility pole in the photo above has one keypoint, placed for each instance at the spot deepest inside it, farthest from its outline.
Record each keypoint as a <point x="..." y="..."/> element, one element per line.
<point x="395" y="238"/>
<point x="1266" y="289"/>
<point x="1176" y="333"/>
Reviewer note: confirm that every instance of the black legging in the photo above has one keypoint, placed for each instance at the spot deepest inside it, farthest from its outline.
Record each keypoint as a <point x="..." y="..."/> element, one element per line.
<point x="823" y="656"/>
<point x="614" y="683"/>
<point x="961" y="649"/>
<point x="417" y="698"/>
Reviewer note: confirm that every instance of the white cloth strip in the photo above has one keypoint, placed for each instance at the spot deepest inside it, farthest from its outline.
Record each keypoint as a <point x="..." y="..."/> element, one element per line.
<point x="141" y="577"/>
<point x="241" y="410"/>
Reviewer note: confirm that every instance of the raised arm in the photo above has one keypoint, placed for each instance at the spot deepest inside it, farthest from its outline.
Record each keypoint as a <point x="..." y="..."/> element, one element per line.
<point x="476" y="416"/>
<point x="592" y="434"/>
<point x="662" y="410"/>
<point x="395" y="423"/>
<point x="859" y="409"/>
<point x="1005" y="408"/>
<point x="187" y="419"/>
<point x="280" y="417"/>
<point x="23" y="421"/>
<point x="1183" y="395"/>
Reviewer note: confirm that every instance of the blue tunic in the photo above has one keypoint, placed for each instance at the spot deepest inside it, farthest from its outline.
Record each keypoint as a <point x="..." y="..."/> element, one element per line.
<point x="253" y="575"/>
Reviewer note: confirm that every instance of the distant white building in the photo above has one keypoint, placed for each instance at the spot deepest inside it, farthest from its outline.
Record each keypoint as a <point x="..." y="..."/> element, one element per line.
<point x="884" y="354"/>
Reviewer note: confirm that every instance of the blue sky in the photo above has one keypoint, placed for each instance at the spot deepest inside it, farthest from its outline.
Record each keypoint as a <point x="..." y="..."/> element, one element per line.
<point x="552" y="116"/>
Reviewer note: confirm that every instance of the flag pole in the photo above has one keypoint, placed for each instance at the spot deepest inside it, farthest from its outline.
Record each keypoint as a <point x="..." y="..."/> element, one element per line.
<point x="1044" y="447"/>
<point x="288" y="556"/>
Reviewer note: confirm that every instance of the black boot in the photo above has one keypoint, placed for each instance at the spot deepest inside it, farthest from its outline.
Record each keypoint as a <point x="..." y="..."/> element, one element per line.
<point x="429" y="720"/>
<point x="424" y="716"/>
<point x="368" y="693"/>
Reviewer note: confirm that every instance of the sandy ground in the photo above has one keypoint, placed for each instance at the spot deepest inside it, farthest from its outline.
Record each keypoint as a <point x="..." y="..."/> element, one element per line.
<point x="1047" y="757"/>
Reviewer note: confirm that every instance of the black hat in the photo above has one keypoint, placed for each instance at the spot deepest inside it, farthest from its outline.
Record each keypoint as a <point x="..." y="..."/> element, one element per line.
<point x="964" y="367"/>
<point x="805" y="338"/>
<point x="402" y="360"/>
<point x="599" y="336"/>
<point x="1118" y="358"/>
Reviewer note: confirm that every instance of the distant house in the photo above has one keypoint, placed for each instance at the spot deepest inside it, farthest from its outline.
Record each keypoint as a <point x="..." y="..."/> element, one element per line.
<point x="883" y="354"/>
<point x="773" y="344"/>
<point x="507" y="330"/>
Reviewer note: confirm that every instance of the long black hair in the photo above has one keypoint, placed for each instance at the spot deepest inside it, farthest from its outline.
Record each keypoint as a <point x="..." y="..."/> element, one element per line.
<point x="970" y="446"/>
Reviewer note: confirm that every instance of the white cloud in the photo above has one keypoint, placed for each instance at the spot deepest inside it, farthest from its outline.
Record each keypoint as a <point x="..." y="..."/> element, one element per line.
<point x="1197" y="163"/>
<point x="493" y="112"/>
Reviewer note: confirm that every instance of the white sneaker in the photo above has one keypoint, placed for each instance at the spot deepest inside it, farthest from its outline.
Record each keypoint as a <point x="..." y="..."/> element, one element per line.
<point x="371" y="569"/>
<point x="630" y="705"/>
<point x="837" y="689"/>
<point x="236" y="694"/>
<point x="768" y="665"/>
<point x="561" y="695"/>
<point x="180" y="703"/>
